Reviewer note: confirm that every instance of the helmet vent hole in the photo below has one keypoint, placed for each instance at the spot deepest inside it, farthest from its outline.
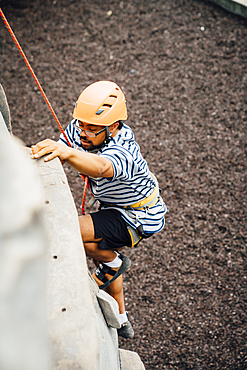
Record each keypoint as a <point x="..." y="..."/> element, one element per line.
<point x="99" y="112"/>
<point x="107" y="105"/>
<point x="113" y="96"/>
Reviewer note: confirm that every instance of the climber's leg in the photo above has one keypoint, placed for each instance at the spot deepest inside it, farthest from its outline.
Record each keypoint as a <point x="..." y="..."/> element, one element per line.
<point x="101" y="242"/>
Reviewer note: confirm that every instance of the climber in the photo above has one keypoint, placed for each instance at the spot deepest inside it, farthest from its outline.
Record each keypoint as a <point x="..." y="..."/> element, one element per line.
<point x="104" y="149"/>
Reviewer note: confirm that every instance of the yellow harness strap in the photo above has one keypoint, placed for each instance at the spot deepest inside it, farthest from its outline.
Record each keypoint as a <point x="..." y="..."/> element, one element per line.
<point x="149" y="201"/>
<point x="145" y="203"/>
<point x="135" y="237"/>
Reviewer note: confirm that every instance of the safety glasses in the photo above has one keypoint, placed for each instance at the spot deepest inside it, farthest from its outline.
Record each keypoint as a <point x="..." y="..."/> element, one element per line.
<point x="79" y="130"/>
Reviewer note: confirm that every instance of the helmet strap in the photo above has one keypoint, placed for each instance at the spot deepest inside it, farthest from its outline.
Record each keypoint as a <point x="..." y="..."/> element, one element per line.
<point x="107" y="138"/>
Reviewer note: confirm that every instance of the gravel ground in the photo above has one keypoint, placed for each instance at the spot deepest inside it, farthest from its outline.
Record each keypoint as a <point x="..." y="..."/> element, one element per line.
<point x="182" y="65"/>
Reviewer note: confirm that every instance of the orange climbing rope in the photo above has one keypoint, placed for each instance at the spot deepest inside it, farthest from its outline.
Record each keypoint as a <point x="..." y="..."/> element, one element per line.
<point x="86" y="185"/>
<point x="32" y="73"/>
<point x="45" y="98"/>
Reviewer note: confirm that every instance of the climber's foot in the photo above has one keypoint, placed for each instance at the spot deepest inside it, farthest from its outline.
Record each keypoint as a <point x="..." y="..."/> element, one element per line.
<point x="105" y="275"/>
<point x="126" y="330"/>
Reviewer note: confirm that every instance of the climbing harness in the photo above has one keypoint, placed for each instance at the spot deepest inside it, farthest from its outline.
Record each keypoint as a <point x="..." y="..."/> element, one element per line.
<point x="149" y="201"/>
<point x="134" y="236"/>
<point x="85" y="178"/>
<point x="136" y="232"/>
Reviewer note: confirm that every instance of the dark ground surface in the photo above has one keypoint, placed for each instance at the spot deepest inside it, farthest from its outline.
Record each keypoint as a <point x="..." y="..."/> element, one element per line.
<point x="186" y="290"/>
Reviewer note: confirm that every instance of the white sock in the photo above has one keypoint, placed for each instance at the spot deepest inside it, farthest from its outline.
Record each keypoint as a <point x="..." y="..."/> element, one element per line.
<point x="123" y="318"/>
<point x="117" y="262"/>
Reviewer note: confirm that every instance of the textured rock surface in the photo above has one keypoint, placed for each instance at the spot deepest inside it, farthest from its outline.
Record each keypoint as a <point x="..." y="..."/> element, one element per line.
<point x="23" y="248"/>
<point x="4" y="109"/>
<point x="71" y="316"/>
<point x="130" y="360"/>
<point x="107" y="304"/>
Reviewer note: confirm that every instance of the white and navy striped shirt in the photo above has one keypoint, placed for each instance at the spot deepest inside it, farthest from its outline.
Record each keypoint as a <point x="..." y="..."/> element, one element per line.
<point x="131" y="183"/>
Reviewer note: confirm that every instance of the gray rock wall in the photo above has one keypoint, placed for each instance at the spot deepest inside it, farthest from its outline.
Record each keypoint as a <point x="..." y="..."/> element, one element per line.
<point x="72" y="328"/>
<point x="23" y="249"/>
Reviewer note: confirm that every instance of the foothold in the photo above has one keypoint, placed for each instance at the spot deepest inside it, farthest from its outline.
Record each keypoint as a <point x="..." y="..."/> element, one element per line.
<point x="132" y="71"/>
<point x="202" y="28"/>
<point x="55" y="257"/>
<point x="63" y="309"/>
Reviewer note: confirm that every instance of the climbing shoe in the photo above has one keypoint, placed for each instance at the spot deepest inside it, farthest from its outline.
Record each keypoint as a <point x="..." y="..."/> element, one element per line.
<point x="105" y="275"/>
<point x="126" y="330"/>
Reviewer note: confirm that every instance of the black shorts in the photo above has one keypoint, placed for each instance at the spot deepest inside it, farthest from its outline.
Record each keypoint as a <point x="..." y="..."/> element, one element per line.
<point x="109" y="225"/>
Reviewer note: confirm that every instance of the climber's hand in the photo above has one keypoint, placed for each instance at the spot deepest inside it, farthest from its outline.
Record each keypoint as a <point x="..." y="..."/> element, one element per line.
<point x="49" y="146"/>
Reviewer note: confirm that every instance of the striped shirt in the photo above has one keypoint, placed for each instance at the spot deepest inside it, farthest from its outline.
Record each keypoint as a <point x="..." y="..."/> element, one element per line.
<point x="131" y="183"/>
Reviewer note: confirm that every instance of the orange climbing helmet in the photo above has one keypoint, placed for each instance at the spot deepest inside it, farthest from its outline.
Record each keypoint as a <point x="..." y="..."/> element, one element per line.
<point x="101" y="103"/>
